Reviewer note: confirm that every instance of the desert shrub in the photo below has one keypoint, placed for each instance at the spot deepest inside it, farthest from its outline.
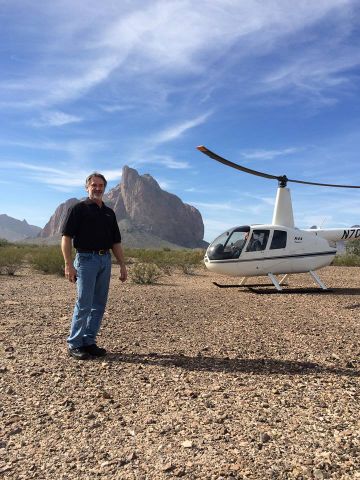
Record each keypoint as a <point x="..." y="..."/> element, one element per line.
<point x="347" y="260"/>
<point x="48" y="259"/>
<point x="4" y="242"/>
<point x="188" y="260"/>
<point x="167" y="260"/>
<point x="187" y="268"/>
<point x="11" y="259"/>
<point x="353" y="248"/>
<point x="145" y="273"/>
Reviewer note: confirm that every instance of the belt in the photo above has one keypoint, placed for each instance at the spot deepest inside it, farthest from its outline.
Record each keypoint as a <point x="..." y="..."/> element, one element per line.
<point x="98" y="252"/>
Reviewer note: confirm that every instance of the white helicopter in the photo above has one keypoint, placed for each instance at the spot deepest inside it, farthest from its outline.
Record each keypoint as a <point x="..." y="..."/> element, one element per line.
<point x="276" y="248"/>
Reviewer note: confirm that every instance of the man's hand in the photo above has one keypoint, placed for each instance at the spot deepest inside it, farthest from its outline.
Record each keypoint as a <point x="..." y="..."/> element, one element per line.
<point x="119" y="255"/>
<point x="70" y="273"/>
<point x="123" y="273"/>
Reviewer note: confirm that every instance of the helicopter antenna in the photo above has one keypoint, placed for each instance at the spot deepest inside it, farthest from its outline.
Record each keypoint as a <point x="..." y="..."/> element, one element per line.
<point x="282" y="179"/>
<point x="322" y="223"/>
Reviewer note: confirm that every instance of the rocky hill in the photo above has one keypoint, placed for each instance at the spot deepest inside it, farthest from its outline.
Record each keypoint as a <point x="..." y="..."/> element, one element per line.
<point x="148" y="216"/>
<point x="14" y="230"/>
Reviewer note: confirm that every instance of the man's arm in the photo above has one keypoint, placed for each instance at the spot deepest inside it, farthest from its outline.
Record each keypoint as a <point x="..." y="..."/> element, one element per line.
<point x="119" y="255"/>
<point x="66" y="247"/>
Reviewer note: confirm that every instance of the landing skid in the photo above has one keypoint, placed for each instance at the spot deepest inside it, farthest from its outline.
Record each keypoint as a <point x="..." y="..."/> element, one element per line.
<point x="278" y="285"/>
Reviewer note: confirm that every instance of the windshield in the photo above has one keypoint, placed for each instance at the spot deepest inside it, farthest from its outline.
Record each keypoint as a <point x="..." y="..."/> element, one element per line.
<point x="229" y="244"/>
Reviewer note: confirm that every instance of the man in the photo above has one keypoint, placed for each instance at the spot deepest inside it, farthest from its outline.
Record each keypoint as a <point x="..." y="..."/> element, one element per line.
<point x="93" y="229"/>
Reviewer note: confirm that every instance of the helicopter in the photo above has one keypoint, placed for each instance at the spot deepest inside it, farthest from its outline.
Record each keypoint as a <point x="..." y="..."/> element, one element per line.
<point x="277" y="248"/>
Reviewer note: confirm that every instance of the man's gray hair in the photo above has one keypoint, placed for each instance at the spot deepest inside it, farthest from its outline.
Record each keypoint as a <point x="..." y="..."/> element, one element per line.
<point x="95" y="174"/>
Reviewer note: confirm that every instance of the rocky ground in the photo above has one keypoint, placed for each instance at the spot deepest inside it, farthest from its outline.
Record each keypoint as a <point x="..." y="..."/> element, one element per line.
<point x="200" y="383"/>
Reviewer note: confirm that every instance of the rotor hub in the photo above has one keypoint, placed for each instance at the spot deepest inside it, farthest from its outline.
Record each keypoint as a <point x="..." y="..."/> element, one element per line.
<point x="282" y="181"/>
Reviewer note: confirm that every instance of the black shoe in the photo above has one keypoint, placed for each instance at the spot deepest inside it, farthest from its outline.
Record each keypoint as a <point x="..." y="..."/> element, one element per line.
<point x="79" y="353"/>
<point x="95" y="350"/>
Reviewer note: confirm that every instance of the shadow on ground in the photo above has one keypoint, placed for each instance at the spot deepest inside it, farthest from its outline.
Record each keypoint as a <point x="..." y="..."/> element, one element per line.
<point x="216" y="364"/>
<point x="308" y="291"/>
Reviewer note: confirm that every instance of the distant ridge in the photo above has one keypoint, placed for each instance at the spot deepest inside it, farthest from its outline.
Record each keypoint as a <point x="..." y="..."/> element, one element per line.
<point x="15" y="230"/>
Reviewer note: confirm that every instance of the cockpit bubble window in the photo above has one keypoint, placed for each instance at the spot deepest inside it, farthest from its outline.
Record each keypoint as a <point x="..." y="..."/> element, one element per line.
<point x="258" y="240"/>
<point x="228" y="245"/>
<point x="278" y="240"/>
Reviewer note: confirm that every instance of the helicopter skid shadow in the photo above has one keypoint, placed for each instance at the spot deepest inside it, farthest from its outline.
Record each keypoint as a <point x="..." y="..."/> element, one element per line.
<point x="261" y="366"/>
<point x="221" y="285"/>
<point x="261" y="291"/>
<point x="352" y="307"/>
<point x="308" y="291"/>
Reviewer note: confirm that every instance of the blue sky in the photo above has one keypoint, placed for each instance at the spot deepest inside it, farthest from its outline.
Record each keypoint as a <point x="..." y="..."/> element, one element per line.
<point x="273" y="85"/>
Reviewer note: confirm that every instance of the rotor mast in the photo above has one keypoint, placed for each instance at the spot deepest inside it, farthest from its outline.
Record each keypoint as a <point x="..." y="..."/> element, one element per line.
<point x="283" y="211"/>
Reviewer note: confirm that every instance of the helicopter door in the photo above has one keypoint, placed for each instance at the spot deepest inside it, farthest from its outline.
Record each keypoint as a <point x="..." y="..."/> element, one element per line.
<point x="278" y="240"/>
<point x="258" y="241"/>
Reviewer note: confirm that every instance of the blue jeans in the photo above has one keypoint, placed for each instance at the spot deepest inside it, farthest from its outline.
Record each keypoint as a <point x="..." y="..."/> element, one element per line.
<point x="93" y="279"/>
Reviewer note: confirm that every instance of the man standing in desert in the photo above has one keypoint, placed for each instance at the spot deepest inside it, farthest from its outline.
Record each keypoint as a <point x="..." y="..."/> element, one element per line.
<point x="92" y="228"/>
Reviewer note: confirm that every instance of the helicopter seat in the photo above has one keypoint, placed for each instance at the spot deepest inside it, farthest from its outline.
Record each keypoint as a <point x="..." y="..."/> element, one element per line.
<point x="255" y="246"/>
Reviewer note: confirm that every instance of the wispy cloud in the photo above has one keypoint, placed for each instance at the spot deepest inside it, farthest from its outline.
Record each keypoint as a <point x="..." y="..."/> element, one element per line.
<point x="165" y="160"/>
<point x="268" y="154"/>
<point x="65" y="179"/>
<point x="321" y="74"/>
<point x="55" y="119"/>
<point x="147" y="152"/>
<point x="117" y="108"/>
<point x="138" y="41"/>
<point x="176" y="131"/>
<point x="219" y="207"/>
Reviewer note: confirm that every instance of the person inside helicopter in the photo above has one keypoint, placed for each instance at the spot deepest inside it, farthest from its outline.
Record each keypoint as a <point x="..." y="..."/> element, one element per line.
<point x="258" y="241"/>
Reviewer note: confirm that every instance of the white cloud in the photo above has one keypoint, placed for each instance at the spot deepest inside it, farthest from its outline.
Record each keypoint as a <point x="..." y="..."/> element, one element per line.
<point x="116" y="108"/>
<point x="147" y="157"/>
<point x="219" y="207"/>
<point x="56" y="119"/>
<point x="147" y="152"/>
<point x="60" y="179"/>
<point x="268" y="154"/>
<point x="176" y="131"/>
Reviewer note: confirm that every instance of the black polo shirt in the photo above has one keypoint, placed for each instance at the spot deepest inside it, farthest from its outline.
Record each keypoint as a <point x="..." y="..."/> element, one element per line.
<point x="91" y="227"/>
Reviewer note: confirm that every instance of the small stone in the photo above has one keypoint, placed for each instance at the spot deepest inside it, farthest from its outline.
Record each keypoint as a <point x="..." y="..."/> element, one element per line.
<point x="131" y="457"/>
<point x="187" y="444"/>
<point x="69" y="405"/>
<point x="5" y="468"/>
<point x="264" y="437"/>
<point x="167" y="467"/>
<point x="318" y="474"/>
<point x="350" y="365"/>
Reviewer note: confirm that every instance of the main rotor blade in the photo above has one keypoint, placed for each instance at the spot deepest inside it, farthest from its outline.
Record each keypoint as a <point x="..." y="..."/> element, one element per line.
<point x="323" y="184"/>
<point x="280" y="178"/>
<point x="217" y="157"/>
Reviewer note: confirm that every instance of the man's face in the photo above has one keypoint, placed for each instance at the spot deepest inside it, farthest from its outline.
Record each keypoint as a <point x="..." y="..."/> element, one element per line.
<point x="95" y="188"/>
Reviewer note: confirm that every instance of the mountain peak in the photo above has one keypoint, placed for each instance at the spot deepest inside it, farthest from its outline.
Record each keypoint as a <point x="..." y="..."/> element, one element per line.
<point x="140" y="201"/>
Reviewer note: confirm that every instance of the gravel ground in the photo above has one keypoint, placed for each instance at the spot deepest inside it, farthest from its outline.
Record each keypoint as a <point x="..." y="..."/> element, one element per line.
<point x="199" y="383"/>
